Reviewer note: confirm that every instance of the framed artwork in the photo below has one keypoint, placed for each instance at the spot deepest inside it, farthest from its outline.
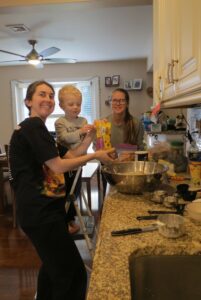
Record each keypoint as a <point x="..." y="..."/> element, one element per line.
<point x="137" y="84"/>
<point x="108" y="81"/>
<point x="115" y="80"/>
<point x="128" y="84"/>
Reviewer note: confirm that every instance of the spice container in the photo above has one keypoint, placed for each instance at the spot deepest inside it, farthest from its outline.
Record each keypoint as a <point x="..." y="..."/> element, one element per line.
<point x="195" y="172"/>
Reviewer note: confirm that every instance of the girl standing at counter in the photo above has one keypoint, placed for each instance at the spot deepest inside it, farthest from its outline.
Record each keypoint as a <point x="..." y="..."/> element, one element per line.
<point x="125" y="128"/>
<point x="38" y="181"/>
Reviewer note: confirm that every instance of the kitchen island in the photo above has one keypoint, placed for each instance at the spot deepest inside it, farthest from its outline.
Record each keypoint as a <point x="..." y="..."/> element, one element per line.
<point x="110" y="273"/>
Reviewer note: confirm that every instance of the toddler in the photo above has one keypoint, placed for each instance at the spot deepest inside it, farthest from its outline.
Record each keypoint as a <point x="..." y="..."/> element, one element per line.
<point x="70" y="132"/>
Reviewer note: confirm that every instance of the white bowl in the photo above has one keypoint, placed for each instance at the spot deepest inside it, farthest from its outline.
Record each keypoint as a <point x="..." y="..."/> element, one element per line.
<point x="171" y="225"/>
<point x="194" y="211"/>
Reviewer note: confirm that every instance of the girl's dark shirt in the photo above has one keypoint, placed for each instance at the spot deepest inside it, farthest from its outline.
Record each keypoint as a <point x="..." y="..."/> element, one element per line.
<point x="40" y="193"/>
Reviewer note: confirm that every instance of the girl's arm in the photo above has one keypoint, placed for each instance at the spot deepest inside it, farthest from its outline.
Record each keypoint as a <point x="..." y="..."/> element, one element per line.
<point x="62" y="165"/>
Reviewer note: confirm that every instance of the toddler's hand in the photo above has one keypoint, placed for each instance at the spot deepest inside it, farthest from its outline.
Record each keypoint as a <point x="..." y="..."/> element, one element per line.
<point x="87" y="129"/>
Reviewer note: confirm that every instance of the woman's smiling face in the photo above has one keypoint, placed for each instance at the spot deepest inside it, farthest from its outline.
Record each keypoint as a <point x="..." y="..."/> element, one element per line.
<point x="119" y="103"/>
<point x="42" y="102"/>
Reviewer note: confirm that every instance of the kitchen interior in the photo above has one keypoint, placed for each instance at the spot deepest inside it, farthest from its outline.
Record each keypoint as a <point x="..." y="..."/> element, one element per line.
<point x="159" y="48"/>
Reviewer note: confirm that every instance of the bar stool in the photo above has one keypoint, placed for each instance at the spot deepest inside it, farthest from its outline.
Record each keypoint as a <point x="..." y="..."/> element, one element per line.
<point x="88" y="172"/>
<point x="87" y="223"/>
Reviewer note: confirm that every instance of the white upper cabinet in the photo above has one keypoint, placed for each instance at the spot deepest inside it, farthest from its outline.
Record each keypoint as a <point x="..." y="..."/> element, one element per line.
<point x="177" y="53"/>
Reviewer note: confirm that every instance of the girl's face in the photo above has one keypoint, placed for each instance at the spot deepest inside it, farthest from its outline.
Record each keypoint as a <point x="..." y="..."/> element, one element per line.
<point x="42" y="103"/>
<point x="72" y="105"/>
<point x="119" y="103"/>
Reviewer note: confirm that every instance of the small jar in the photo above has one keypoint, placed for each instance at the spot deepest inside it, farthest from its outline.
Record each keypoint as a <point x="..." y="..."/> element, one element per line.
<point x="177" y="148"/>
<point x="177" y="156"/>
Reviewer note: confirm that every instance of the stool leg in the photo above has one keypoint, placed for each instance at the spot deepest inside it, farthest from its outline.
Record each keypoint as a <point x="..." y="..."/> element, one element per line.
<point x="67" y="205"/>
<point x="86" y="203"/>
<point x="87" y="207"/>
<point x="80" y="198"/>
<point x="99" y="188"/>
<point x="83" y="227"/>
<point x="88" y="184"/>
<point x="88" y="241"/>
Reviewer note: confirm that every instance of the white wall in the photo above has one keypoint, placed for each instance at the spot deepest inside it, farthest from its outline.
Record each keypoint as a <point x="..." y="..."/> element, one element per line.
<point x="128" y="69"/>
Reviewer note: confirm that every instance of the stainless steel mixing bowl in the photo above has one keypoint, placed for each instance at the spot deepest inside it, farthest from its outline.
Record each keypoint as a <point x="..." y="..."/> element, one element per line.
<point x="134" y="177"/>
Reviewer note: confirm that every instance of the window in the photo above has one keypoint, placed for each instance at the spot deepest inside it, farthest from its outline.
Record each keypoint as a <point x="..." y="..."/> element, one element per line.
<point x="90" y="100"/>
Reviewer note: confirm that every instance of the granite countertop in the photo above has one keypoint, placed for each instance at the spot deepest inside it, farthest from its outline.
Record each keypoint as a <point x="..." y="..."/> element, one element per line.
<point x="110" y="273"/>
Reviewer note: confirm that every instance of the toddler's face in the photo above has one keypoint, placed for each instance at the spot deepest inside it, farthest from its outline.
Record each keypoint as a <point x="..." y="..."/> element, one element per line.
<point x="72" y="105"/>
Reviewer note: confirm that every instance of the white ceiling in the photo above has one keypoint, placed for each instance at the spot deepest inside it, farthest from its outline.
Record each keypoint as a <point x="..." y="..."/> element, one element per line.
<point x="86" y="31"/>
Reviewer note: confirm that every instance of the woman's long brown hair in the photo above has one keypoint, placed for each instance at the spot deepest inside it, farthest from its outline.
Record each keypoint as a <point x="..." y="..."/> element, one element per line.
<point x="129" y="127"/>
<point x="32" y="88"/>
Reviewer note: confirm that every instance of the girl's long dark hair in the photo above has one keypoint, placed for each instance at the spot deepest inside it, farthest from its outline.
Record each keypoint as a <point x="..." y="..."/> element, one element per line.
<point x="129" y="127"/>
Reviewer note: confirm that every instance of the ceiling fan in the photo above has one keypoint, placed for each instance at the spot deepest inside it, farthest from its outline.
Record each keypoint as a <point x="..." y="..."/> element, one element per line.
<point x="37" y="59"/>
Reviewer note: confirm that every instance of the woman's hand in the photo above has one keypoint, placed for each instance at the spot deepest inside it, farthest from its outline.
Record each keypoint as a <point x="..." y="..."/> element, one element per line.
<point x="105" y="156"/>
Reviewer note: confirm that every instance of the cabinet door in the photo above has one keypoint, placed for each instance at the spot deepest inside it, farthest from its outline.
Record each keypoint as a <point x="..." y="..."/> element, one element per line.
<point x="158" y="50"/>
<point x="177" y="52"/>
<point x="157" y="61"/>
<point x="189" y="48"/>
<point x="164" y="48"/>
<point x="170" y="47"/>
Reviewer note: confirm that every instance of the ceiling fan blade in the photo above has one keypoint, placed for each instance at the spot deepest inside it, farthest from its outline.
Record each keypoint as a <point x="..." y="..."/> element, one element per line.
<point x="8" y="52"/>
<point x="61" y="60"/>
<point x="8" y="61"/>
<point x="49" y="51"/>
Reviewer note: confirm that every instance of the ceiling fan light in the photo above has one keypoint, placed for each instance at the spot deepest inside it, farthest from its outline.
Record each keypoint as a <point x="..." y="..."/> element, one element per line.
<point x="34" y="62"/>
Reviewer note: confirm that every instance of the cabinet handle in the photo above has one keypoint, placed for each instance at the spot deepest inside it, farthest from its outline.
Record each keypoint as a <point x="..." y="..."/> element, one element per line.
<point x="169" y="73"/>
<point x="157" y="88"/>
<point x="160" y="81"/>
<point x="174" y="61"/>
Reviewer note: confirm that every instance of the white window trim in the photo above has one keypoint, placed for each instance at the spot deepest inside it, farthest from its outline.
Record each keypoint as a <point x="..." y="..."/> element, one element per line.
<point x="17" y="111"/>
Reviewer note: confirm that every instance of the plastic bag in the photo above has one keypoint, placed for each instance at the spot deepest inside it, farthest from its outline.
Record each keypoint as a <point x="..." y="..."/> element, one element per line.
<point x="103" y="134"/>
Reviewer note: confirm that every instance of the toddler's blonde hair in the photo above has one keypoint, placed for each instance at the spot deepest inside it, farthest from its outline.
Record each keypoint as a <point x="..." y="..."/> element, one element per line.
<point x="68" y="89"/>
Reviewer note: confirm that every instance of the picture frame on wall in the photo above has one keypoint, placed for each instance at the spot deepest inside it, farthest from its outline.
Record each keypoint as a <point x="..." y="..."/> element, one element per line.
<point x="137" y="84"/>
<point x="115" y="80"/>
<point x="108" y="81"/>
<point x="128" y="84"/>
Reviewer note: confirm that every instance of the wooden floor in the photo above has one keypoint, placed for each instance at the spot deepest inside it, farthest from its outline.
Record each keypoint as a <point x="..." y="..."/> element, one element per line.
<point x="19" y="262"/>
